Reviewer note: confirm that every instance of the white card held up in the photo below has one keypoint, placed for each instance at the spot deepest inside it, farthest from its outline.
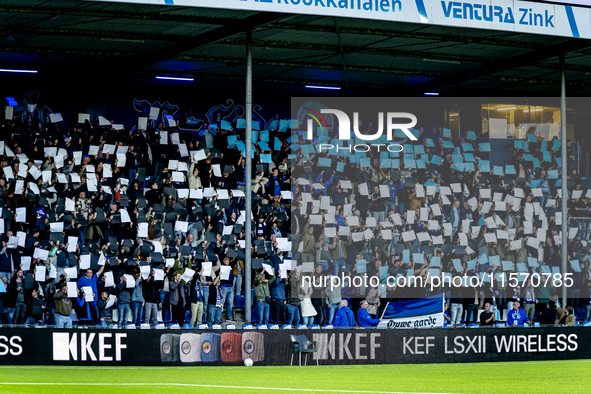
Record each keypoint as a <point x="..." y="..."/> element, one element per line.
<point x="19" y="187"/>
<point x="72" y="290"/>
<point x="181" y="226"/>
<point x="408" y="236"/>
<point x="71" y="272"/>
<point x="85" y="261"/>
<point x="88" y="295"/>
<point x="70" y="205"/>
<point x="109" y="279"/>
<point x="129" y="281"/>
<point x="154" y="112"/>
<point x="363" y="190"/>
<point x="217" y="172"/>
<point x="145" y="270"/>
<point x="55" y="118"/>
<point x="188" y="274"/>
<point x="40" y="254"/>
<point x="83" y="118"/>
<point x="40" y="272"/>
<point x="8" y="172"/>
<point x="56" y="227"/>
<point x="206" y="268"/>
<point x="225" y="272"/>
<point x="158" y="274"/>
<point x="25" y="262"/>
<point x="125" y="216"/>
<point x="143" y="230"/>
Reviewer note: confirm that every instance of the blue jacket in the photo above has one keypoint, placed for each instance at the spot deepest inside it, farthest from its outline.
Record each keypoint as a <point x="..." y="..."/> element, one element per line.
<point x="277" y="288"/>
<point x="518" y="316"/>
<point x="394" y="189"/>
<point x="344" y="318"/>
<point x="365" y="320"/>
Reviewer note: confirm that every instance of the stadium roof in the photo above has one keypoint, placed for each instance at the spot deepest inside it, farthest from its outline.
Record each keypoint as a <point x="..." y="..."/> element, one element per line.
<point x="137" y="42"/>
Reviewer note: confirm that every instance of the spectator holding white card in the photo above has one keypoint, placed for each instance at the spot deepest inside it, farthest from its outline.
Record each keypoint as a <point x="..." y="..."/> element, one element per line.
<point x="90" y="280"/>
<point x="82" y="307"/>
<point x="123" y="301"/>
<point x="17" y="290"/>
<point x="62" y="308"/>
<point x="151" y="297"/>
<point x="137" y="300"/>
<point x="105" y="307"/>
<point x="263" y="294"/>
<point x="177" y="298"/>
<point x="35" y="308"/>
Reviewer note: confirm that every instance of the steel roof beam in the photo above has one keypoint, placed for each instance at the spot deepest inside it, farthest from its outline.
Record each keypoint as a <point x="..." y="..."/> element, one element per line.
<point x="406" y="34"/>
<point x="497" y="66"/>
<point x="104" y="14"/>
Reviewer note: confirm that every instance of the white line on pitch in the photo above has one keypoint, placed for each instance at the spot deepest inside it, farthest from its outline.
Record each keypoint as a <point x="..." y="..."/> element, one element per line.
<point x="208" y="386"/>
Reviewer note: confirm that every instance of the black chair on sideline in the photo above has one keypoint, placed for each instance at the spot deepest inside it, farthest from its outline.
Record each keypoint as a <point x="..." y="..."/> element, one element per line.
<point x="301" y="344"/>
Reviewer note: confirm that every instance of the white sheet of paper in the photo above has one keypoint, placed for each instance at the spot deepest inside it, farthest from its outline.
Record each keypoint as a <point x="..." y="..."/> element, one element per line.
<point x="88" y="294"/>
<point x="85" y="261"/>
<point x="41" y="254"/>
<point x="71" y="272"/>
<point x="158" y="274"/>
<point x="111" y="302"/>
<point x="145" y="270"/>
<point x="178" y="176"/>
<point x="83" y="118"/>
<point x="8" y="172"/>
<point x="56" y="227"/>
<point x="129" y="281"/>
<point x="216" y="170"/>
<point x="109" y="279"/>
<point x="103" y="121"/>
<point x="19" y="187"/>
<point x="268" y="269"/>
<point x="188" y="274"/>
<point x="154" y="111"/>
<point x="25" y="262"/>
<point x="199" y="155"/>
<point x="180" y="225"/>
<point x="225" y="272"/>
<point x="40" y="273"/>
<point x="72" y="290"/>
<point x="125" y="216"/>
<point x="206" y="268"/>
<point x="143" y="230"/>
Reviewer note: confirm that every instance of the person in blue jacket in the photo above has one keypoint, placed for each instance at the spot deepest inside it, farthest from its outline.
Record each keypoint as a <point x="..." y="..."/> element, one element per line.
<point x="517" y="316"/>
<point x="363" y="317"/>
<point x="344" y="317"/>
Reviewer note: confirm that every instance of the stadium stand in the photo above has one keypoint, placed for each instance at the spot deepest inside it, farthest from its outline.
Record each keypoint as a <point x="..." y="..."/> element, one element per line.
<point x="105" y="226"/>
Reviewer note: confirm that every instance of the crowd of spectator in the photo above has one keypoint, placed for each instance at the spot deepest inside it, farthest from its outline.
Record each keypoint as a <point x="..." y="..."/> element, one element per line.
<point x="150" y="224"/>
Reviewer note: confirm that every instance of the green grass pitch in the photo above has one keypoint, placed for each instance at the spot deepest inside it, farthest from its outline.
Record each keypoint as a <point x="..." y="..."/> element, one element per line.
<point x="498" y="378"/>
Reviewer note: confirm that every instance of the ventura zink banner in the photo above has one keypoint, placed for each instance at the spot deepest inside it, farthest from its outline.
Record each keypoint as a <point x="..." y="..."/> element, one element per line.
<point x="420" y="313"/>
<point x="90" y="347"/>
<point x="504" y="15"/>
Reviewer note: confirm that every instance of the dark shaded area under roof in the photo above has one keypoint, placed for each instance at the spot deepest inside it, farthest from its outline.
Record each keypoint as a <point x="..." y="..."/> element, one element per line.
<point x="134" y="43"/>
